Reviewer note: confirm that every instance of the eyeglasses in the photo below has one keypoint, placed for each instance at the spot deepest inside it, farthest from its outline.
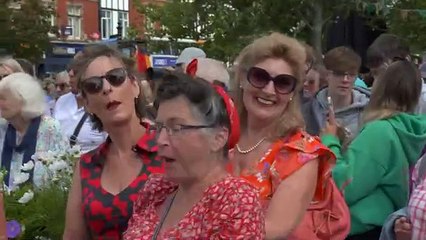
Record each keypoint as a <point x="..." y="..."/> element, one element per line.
<point x="94" y="85"/>
<point x="344" y="74"/>
<point x="3" y="76"/>
<point x="259" y="78"/>
<point x="175" y="129"/>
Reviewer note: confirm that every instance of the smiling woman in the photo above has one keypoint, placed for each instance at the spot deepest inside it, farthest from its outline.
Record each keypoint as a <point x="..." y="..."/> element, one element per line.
<point x="289" y="167"/>
<point x="107" y="179"/>
<point x="196" y="198"/>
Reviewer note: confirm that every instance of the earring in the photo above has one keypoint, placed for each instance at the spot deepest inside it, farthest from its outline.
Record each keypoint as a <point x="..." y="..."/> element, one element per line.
<point x="291" y="99"/>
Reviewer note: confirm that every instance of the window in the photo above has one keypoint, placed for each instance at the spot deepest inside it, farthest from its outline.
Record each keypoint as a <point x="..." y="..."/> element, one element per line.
<point x="106" y="24"/>
<point x="123" y="18"/>
<point x="74" y="20"/>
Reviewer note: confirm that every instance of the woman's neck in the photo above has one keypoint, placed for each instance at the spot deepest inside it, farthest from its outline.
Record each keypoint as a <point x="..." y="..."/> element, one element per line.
<point x="124" y="137"/>
<point x="197" y="187"/>
<point x="20" y="124"/>
<point x="255" y="132"/>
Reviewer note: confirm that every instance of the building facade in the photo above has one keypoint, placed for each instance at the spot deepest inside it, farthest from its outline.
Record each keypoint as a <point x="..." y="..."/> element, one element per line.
<point x="78" y="19"/>
<point x="113" y="13"/>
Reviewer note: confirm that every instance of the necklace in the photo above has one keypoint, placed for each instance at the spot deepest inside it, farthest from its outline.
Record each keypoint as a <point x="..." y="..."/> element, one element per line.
<point x="250" y="149"/>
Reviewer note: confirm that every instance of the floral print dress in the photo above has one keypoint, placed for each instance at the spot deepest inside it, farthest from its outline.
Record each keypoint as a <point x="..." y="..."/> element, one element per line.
<point x="106" y="214"/>
<point x="49" y="138"/>
<point x="228" y="209"/>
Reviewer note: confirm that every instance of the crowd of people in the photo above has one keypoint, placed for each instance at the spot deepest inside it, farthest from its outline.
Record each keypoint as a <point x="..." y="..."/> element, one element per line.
<point x="288" y="143"/>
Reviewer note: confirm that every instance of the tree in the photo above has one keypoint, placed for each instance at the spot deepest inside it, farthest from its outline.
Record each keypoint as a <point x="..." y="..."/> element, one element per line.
<point x="228" y="25"/>
<point x="407" y="19"/>
<point x="25" y="29"/>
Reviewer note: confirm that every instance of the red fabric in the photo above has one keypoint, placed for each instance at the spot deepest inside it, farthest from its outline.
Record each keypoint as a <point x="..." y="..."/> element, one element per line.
<point x="234" y="132"/>
<point x="105" y="214"/>
<point x="228" y="209"/>
<point x="191" y="69"/>
<point x="141" y="61"/>
<point x="328" y="217"/>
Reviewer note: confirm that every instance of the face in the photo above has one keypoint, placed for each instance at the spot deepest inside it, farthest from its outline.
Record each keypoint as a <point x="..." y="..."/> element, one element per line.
<point x="188" y="143"/>
<point x="109" y="92"/>
<point x="311" y="84"/>
<point x="266" y="103"/>
<point x="10" y="106"/>
<point x="62" y="86"/>
<point x="341" y="83"/>
<point x="73" y="82"/>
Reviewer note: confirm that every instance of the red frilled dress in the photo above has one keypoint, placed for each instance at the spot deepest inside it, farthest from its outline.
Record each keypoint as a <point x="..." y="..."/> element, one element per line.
<point x="106" y="215"/>
<point x="228" y="209"/>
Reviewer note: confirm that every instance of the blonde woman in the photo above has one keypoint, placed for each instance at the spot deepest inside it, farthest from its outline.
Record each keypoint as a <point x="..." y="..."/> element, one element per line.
<point x="379" y="158"/>
<point x="270" y="74"/>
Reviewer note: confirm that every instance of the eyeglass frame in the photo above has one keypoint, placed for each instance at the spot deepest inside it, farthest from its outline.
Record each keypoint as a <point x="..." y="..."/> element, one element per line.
<point x="172" y="131"/>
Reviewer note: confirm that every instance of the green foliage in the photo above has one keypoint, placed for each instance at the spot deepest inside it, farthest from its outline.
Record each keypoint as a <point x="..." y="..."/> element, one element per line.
<point x="228" y="25"/>
<point x="24" y="30"/>
<point x="407" y="19"/>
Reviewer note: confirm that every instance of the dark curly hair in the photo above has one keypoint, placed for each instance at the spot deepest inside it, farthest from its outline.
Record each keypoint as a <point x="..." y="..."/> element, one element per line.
<point x="206" y="102"/>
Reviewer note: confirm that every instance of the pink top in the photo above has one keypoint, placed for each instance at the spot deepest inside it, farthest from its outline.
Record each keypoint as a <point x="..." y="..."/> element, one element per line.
<point x="417" y="205"/>
<point x="229" y="209"/>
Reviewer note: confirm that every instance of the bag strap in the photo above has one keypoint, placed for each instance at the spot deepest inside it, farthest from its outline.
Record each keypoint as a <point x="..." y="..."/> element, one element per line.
<point x="73" y="138"/>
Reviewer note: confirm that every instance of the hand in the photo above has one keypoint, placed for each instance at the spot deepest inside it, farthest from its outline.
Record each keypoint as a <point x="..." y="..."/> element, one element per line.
<point x="331" y="126"/>
<point x="402" y="229"/>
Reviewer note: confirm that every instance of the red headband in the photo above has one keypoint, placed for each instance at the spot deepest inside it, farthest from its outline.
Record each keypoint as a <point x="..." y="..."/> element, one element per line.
<point x="234" y="132"/>
<point x="191" y="69"/>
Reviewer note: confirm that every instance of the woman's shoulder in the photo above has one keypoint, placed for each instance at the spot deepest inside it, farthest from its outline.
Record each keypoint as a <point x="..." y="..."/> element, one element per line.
<point x="231" y="189"/>
<point x="304" y="144"/>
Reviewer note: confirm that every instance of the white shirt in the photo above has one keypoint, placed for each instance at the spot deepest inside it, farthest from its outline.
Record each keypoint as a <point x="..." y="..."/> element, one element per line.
<point x="421" y="108"/>
<point x="68" y="114"/>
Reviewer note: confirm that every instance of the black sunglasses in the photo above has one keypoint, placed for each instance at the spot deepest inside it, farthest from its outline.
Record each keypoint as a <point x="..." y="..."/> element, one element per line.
<point x="93" y="85"/>
<point x="259" y="78"/>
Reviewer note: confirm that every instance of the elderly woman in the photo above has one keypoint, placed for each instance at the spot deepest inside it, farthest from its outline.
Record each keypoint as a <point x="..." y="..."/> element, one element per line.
<point x="379" y="158"/>
<point x="196" y="198"/>
<point x="274" y="153"/>
<point x="107" y="180"/>
<point x="9" y="66"/>
<point x="26" y="130"/>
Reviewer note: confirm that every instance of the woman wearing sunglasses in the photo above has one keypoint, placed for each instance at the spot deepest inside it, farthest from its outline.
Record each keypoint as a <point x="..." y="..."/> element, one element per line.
<point x="196" y="198"/>
<point x="106" y="180"/>
<point x="270" y="74"/>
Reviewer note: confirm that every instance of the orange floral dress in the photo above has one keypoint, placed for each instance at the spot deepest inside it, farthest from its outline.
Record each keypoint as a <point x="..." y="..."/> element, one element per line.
<point x="285" y="157"/>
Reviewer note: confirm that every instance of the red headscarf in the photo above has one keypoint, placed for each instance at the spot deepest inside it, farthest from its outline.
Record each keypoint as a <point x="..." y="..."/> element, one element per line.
<point x="234" y="132"/>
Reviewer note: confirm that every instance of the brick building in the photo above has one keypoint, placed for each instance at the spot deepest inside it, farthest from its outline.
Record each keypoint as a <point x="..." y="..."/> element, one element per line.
<point x="97" y="19"/>
<point x="78" y="18"/>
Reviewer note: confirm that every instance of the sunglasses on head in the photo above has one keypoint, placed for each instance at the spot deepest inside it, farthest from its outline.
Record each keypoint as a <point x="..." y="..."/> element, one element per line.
<point x="93" y="85"/>
<point x="259" y="78"/>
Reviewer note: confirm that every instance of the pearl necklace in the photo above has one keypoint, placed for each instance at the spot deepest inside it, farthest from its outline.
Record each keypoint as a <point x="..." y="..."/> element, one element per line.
<point x="250" y="149"/>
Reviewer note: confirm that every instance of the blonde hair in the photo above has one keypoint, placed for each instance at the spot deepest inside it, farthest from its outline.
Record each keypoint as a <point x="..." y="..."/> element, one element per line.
<point x="397" y="91"/>
<point x="12" y="64"/>
<point x="276" y="46"/>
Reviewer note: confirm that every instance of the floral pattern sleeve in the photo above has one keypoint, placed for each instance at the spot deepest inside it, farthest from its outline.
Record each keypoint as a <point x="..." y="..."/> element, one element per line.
<point x="300" y="149"/>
